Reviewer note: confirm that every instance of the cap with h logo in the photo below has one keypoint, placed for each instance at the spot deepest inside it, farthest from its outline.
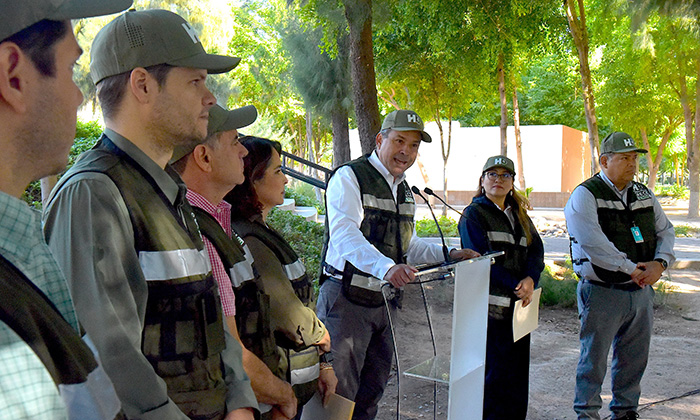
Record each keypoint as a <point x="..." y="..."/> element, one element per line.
<point x="17" y="15"/>
<point x="405" y="120"/>
<point x="220" y="120"/>
<point x="619" y="142"/>
<point x="499" y="161"/>
<point x="147" y="38"/>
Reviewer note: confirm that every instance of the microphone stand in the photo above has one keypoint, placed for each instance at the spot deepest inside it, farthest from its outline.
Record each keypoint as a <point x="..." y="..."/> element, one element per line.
<point x="431" y="192"/>
<point x="445" y="252"/>
<point x="446" y="255"/>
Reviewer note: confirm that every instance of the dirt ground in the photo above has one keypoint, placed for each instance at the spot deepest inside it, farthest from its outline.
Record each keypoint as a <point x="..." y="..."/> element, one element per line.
<point x="673" y="370"/>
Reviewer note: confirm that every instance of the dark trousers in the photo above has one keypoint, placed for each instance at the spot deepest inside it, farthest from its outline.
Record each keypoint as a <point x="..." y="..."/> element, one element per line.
<point x="362" y="348"/>
<point x="507" y="372"/>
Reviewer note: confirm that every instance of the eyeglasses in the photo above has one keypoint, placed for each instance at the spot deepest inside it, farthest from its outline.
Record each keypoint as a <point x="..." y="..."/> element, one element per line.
<point x="495" y="175"/>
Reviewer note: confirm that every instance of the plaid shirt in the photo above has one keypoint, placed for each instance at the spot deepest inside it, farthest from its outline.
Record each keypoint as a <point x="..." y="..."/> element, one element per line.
<point x="26" y="388"/>
<point x="222" y="214"/>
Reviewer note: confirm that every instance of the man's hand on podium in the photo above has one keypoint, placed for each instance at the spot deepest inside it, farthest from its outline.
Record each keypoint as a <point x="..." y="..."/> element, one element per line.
<point x="463" y="254"/>
<point x="400" y="275"/>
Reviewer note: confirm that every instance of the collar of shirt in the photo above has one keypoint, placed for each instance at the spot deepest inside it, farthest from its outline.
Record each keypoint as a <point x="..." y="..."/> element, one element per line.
<point x="168" y="180"/>
<point x="221" y="212"/>
<point x="620" y="193"/>
<point x="388" y="177"/>
<point x="18" y="227"/>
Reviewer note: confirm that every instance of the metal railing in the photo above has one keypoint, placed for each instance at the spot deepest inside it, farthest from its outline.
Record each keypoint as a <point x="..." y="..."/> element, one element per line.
<point x="288" y="170"/>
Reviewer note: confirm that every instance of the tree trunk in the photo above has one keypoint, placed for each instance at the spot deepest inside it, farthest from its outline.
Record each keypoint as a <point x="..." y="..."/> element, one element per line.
<point x="518" y="139"/>
<point x="504" y="106"/>
<point x="694" y="156"/>
<point x="341" y="136"/>
<point x="575" y="14"/>
<point x="359" y="16"/>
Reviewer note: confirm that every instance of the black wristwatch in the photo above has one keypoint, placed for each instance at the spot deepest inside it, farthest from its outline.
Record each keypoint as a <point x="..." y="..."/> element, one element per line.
<point x="326" y="357"/>
<point x="662" y="261"/>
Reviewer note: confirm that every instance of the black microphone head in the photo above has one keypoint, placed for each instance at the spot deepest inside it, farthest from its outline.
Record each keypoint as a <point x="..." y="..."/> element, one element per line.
<point x="428" y="191"/>
<point x="415" y="190"/>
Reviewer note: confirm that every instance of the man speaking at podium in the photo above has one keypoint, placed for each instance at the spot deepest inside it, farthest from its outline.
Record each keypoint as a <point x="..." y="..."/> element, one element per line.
<point x="370" y="235"/>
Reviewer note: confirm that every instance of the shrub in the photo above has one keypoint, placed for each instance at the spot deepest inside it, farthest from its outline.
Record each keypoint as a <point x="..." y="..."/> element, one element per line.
<point x="558" y="289"/>
<point x="673" y="190"/>
<point x="426" y="227"/>
<point x="305" y="195"/>
<point x="686" y="230"/>
<point x="305" y="237"/>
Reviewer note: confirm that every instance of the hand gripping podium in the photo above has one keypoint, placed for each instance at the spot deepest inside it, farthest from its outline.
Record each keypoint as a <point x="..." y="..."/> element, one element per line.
<point x="464" y="370"/>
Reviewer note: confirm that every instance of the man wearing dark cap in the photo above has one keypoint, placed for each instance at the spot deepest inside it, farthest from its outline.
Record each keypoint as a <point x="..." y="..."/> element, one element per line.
<point x="46" y="371"/>
<point x="621" y="242"/>
<point x="121" y="228"/>
<point x="370" y="239"/>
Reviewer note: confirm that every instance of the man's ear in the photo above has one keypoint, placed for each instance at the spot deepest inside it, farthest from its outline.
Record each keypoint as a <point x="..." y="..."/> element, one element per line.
<point x="142" y="85"/>
<point x="604" y="161"/>
<point x="202" y="158"/>
<point x="15" y="68"/>
<point x="378" y="140"/>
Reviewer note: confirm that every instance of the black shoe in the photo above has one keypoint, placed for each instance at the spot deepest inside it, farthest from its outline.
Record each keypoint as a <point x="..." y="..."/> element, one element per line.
<point x="630" y="415"/>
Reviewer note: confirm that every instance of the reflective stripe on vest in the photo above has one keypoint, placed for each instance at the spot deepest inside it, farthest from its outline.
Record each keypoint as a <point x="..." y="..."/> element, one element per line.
<point x="294" y="270"/>
<point x="378" y="203"/>
<point x="173" y="264"/>
<point x="242" y="271"/>
<point x="304" y="374"/>
<point x="640" y="204"/>
<point x="609" y="204"/>
<point x="370" y="283"/>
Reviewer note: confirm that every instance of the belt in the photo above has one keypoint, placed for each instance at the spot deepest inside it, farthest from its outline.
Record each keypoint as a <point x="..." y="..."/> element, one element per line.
<point x="628" y="287"/>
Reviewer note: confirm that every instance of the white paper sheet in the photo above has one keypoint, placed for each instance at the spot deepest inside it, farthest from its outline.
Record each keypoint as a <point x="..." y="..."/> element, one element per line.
<point x="526" y="320"/>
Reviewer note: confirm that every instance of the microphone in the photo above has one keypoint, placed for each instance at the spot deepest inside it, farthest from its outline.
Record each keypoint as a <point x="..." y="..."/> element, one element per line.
<point x="431" y="192"/>
<point x="445" y="252"/>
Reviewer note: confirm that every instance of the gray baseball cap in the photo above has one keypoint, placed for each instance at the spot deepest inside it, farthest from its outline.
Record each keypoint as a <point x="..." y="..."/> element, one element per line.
<point x="147" y="38"/>
<point x="221" y="120"/>
<point x="17" y="15"/>
<point x="499" y="161"/>
<point x="619" y="142"/>
<point x="405" y="120"/>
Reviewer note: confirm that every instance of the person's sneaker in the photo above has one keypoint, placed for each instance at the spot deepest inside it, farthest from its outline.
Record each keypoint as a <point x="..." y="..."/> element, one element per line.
<point x="630" y="415"/>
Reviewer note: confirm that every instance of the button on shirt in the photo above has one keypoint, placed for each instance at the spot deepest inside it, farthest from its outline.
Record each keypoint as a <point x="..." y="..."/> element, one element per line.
<point x="222" y="214"/>
<point x="345" y="214"/>
<point x="582" y="223"/>
<point x="26" y="388"/>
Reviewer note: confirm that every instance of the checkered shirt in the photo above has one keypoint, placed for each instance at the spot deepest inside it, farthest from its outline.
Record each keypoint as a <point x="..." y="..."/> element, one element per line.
<point x="222" y="214"/>
<point x="26" y="388"/>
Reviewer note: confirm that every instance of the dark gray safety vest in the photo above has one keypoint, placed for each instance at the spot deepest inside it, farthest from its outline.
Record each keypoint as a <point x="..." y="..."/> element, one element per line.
<point x="68" y="360"/>
<point x="502" y="237"/>
<point x="300" y="366"/>
<point x="252" y="305"/>
<point x="617" y="220"/>
<point x="387" y="225"/>
<point x="183" y="333"/>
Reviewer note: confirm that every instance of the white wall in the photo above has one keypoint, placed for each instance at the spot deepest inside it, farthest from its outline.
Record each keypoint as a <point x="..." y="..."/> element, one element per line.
<point x="471" y="146"/>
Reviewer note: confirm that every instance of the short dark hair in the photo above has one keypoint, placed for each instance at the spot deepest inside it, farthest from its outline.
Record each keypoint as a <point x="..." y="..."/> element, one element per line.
<point x="39" y="41"/>
<point x="110" y="91"/>
<point x="243" y="199"/>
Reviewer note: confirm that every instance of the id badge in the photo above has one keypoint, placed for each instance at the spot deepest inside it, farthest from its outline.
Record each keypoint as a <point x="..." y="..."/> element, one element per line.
<point x="637" y="234"/>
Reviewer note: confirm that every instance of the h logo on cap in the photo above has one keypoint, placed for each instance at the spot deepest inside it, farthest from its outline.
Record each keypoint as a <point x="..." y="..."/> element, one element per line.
<point x="191" y="32"/>
<point x="628" y="142"/>
<point x="499" y="161"/>
<point x="412" y="118"/>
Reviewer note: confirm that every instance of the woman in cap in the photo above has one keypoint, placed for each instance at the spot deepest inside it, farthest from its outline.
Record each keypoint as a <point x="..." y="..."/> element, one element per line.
<point x="497" y="220"/>
<point x="303" y="342"/>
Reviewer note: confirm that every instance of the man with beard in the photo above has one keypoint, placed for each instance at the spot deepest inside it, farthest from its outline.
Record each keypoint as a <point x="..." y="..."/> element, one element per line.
<point x="124" y="233"/>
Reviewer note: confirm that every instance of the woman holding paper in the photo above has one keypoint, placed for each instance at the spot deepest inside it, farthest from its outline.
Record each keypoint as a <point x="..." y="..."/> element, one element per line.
<point x="497" y="220"/>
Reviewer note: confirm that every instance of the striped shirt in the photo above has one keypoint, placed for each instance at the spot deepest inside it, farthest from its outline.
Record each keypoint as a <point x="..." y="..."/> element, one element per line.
<point x="222" y="214"/>
<point x="26" y="388"/>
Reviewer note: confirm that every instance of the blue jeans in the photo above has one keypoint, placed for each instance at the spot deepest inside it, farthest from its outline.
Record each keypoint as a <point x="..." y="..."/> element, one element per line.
<point x="622" y="320"/>
<point x="362" y="348"/>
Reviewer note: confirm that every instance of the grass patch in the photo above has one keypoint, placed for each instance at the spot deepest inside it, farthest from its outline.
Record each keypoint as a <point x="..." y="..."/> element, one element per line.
<point x="684" y="231"/>
<point x="558" y="285"/>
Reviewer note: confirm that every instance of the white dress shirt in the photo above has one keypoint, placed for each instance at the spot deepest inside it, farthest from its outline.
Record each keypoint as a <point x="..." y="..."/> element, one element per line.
<point x="344" y="214"/>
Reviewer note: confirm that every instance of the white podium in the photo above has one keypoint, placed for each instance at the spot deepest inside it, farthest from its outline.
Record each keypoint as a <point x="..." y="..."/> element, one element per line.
<point x="464" y="370"/>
